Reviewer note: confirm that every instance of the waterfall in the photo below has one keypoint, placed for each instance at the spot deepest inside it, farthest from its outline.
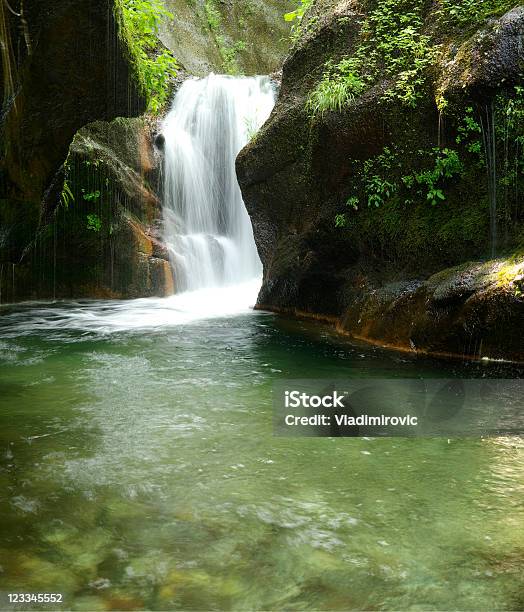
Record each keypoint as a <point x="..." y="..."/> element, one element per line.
<point x="206" y="226"/>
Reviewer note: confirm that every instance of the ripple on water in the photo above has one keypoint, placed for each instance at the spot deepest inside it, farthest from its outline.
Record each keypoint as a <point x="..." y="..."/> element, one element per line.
<point x="114" y="489"/>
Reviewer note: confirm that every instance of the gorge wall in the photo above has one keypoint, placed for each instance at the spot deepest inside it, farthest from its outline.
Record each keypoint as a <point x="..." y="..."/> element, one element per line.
<point x="231" y="37"/>
<point x="386" y="188"/>
<point x="80" y="215"/>
<point x="63" y="66"/>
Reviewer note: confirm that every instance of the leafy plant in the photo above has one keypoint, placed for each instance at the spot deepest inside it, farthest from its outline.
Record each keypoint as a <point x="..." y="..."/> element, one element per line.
<point x="94" y="223"/>
<point x="447" y="165"/>
<point x="468" y="132"/>
<point x="297" y="31"/>
<point x="352" y="202"/>
<point x="394" y="45"/>
<point x="467" y="13"/>
<point x="379" y="190"/>
<point x="391" y="45"/>
<point x="340" y="220"/>
<point x="66" y="196"/>
<point x="212" y="15"/>
<point x="90" y="196"/>
<point x="338" y="87"/>
<point x="377" y="178"/>
<point x="155" y="67"/>
<point x="298" y="13"/>
<point x="508" y="162"/>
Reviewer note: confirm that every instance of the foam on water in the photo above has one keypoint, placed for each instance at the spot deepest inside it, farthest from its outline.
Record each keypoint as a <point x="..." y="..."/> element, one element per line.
<point x="114" y="316"/>
<point x="206" y="226"/>
<point x="216" y="268"/>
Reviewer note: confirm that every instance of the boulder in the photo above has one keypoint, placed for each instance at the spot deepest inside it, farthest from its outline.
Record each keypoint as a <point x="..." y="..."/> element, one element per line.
<point x="298" y="173"/>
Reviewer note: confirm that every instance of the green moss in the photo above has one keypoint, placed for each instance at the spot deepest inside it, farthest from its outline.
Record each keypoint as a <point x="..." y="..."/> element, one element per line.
<point x="395" y="45"/>
<point x="154" y="65"/>
<point x="467" y="14"/>
<point x="228" y="50"/>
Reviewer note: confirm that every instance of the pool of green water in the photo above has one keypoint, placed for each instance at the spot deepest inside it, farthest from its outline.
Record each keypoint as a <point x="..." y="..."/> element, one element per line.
<point x="138" y="470"/>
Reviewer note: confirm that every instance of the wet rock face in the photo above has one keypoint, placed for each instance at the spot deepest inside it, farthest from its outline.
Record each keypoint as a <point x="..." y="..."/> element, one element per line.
<point x="297" y="174"/>
<point x="226" y="36"/>
<point x="68" y="69"/>
<point x="473" y="311"/>
<point x="491" y="59"/>
<point x="104" y="240"/>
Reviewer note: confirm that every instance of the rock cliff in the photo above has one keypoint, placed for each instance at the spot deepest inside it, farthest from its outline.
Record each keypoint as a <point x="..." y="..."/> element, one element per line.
<point x="83" y="219"/>
<point x="363" y="206"/>
<point x="233" y="36"/>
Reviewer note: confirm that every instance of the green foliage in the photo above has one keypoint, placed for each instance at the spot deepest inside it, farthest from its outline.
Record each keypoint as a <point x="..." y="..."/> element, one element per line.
<point x="377" y="178"/>
<point x="229" y="54"/>
<point x="391" y="45"/>
<point x="299" y="12"/>
<point x="66" y="196"/>
<point x="212" y="15"/>
<point x="515" y="108"/>
<point x="469" y="13"/>
<point x="139" y="23"/>
<point x="508" y="118"/>
<point x="379" y="190"/>
<point x="341" y="220"/>
<point x="352" y="202"/>
<point x="90" y="196"/>
<point x="296" y="16"/>
<point x="228" y="51"/>
<point x="509" y="125"/>
<point x="381" y="182"/>
<point x="94" y="223"/>
<point x="93" y="162"/>
<point x="394" y="45"/>
<point x="469" y="131"/>
<point x="93" y="200"/>
<point x="447" y="164"/>
<point x="338" y="87"/>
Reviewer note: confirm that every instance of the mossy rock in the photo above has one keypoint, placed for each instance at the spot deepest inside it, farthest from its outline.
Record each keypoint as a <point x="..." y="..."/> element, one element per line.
<point x="234" y="36"/>
<point x="300" y="171"/>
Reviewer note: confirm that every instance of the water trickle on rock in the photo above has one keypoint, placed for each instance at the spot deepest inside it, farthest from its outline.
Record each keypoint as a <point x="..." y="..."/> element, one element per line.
<point x="206" y="226"/>
<point x="487" y="123"/>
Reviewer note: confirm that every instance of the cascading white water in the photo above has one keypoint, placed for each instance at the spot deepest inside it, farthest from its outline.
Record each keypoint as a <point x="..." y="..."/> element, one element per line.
<point x="206" y="226"/>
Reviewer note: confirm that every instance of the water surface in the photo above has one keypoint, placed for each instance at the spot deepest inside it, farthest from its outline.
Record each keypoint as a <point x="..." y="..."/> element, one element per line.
<point x="138" y="470"/>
